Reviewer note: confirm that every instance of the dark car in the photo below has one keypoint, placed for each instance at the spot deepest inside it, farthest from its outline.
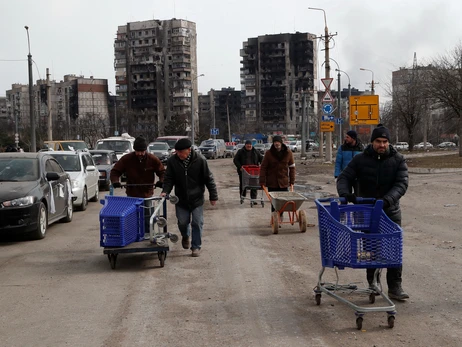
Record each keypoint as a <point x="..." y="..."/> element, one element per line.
<point x="104" y="161"/>
<point x="209" y="151"/>
<point x="35" y="191"/>
<point x="161" y="150"/>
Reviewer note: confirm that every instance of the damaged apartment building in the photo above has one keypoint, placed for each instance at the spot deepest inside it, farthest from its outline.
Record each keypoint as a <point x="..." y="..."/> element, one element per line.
<point x="156" y="74"/>
<point x="276" y="70"/>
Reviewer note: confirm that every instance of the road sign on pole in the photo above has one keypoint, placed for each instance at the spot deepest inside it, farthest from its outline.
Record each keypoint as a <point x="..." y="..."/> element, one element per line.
<point x="364" y="110"/>
<point x="327" y="127"/>
<point x="214" y="131"/>
<point x="327" y="82"/>
<point x="327" y="97"/>
<point x="327" y="108"/>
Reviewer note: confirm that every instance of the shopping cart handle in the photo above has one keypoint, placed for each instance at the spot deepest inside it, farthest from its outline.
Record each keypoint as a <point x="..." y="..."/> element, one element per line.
<point x="343" y="200"/>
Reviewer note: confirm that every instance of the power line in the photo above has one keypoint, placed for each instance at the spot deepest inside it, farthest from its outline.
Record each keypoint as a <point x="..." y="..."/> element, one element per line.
<point x="13" y="59"/>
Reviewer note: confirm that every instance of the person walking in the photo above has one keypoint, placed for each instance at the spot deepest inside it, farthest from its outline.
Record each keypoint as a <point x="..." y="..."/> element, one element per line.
<point x="247" y="155"/>
<point x="350" y="147"/>
<point x="140" y="168"/>
<point x="188" y="171"/>
<point x="277" y="171"/>
<point x="381" y="173"/>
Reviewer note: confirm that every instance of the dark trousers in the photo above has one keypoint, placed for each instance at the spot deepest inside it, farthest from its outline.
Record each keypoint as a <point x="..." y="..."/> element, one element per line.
<point x="243" y="191"/>
<point x="276" y="190"/>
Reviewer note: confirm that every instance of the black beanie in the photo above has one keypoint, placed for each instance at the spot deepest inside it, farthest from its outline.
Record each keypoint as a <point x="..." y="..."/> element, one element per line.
<point x="140" y="144"/>
<point x="248" y="142"/>
<point x="182" y="144"/>
<point x="352" y="134"/>
<point x="277" y="138"/>
<point x="380" y="131"/>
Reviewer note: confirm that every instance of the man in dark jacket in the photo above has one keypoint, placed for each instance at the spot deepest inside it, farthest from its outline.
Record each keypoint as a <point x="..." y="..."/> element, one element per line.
<point x="247" y="155"/>
<point x="350" y="147"/>
<point x="381" y="173"/>
<point x="277" y="171"/>
<point x="188" y="171"/>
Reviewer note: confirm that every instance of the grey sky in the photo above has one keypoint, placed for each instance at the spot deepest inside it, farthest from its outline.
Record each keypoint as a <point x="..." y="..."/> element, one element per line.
<point x="77" y="37"/>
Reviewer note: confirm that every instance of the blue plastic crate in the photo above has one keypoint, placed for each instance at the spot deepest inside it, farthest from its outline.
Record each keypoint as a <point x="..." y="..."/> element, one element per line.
<point x="358" y="236"/>
<point x="121" y="221"/>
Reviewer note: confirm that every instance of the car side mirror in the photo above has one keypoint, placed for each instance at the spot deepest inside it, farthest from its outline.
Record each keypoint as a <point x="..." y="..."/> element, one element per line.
<point x="90" y="168"/>
<point x="52" y="176"/>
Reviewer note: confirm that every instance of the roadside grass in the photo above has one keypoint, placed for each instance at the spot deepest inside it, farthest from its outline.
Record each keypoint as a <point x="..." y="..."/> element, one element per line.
<point x="436" y="162"/>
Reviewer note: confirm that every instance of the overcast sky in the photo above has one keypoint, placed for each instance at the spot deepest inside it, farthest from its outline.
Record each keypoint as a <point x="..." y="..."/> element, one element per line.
<point x="77" y="37"/>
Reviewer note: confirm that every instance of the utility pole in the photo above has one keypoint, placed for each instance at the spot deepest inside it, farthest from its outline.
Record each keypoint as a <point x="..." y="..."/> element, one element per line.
<point x="227" y="114"/>
<point x="33" y="145"/>
<point x="50" y="116"/>
<point x="303" y="153"/>
<point x="339" y="112"/>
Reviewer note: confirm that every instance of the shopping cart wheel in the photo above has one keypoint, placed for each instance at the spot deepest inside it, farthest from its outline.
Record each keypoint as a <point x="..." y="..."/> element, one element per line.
<point x="359" y="323"/>
<point x="372" y="298"/>
<point x="275" y="222"/>
<point x="262" y="204"/>
<point x="318" y="299"/>
<point x="302" y="220"/>
<point x="391" y="321"/>
<point x="112" y="260"/>
<point x="162" y="255"/>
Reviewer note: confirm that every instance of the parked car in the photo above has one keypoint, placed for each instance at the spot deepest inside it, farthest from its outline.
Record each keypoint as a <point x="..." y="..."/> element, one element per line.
<point x="104" y="161"/>
<point x="295" y="146"/>
<point x="35" y="192"/>
<point x="260" y="147"/>
<point x="161" y="150"/>
<point x="65" y="145"/>
<point x="119" y="144"/>
<point x="446" y="145"/>
<point x="240" y="145"/>
<point x="421" y="145"/>
<point x="401" y="146"/>
<point x="230" y="151"/>
<point x="209" y="151"/>
<point x="84" y="175"/>
<point x="219" y="143"/>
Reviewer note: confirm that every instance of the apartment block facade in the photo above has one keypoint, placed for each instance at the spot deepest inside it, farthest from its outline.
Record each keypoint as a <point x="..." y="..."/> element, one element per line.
<point x="276" y="70"/>
<point x="156" y="71"/>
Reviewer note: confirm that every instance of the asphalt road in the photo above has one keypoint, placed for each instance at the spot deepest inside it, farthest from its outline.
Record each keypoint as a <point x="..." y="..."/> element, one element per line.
<point x="248" y="287"/>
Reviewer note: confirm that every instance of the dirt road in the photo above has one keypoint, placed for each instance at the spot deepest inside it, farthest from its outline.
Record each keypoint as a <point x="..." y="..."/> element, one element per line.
<point x="248" y="287"/>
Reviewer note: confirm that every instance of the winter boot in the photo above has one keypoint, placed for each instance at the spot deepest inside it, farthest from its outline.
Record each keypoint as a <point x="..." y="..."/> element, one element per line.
<point x="397" y="293"/>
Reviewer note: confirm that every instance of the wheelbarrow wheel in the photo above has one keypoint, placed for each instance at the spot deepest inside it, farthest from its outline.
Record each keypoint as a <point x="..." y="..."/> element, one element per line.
<point x="302" y="220"/>
<point x="275" y="222"/>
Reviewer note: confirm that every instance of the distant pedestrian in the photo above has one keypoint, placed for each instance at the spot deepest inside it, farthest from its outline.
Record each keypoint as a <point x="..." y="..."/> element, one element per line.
<point x="351" y="146"/>
<point x="247" y="155"/>
<point x="189" y="172"/>
<point x="11" y="148"/>
<point x="277" y="172"/>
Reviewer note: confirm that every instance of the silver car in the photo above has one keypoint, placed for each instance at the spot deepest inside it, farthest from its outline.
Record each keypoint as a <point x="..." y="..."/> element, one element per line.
<point x="161" y="150"/>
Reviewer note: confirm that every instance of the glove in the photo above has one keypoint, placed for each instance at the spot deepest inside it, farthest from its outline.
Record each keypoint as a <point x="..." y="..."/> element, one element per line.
<point x="117" y="185"/>
<point x="159" y="184"/>
<point x="350" y="197"/>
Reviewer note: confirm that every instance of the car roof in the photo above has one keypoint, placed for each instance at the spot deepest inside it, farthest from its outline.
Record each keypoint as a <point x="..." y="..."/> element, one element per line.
<point x="92" y="151"/>
<point x="66" y="152"/>
<point x="158" y="143"/>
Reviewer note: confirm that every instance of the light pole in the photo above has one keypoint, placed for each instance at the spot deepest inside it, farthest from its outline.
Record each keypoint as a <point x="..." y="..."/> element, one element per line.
<point x="116" y="133"/>
<point x="327" y="75"/>
<point x="33" y="145"/>
<point x="372" y="83"/>
<point x="193" y="126"/>
<point x="349" y="93"/>
<point x="227" y="114"/>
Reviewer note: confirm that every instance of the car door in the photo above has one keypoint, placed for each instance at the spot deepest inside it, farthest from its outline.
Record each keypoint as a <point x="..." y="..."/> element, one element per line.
<point x="92" y="174"/>
<point x="59" y="188"/>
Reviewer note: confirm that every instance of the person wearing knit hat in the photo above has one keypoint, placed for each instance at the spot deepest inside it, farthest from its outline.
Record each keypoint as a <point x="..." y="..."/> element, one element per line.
<point x="140" y="144"/>
<point x="247" y="155"/>
<point x="351" y="146"/>
<point x="381" y="173"/>
<point x="277" y="172"/>
<point x="189" y="173"/>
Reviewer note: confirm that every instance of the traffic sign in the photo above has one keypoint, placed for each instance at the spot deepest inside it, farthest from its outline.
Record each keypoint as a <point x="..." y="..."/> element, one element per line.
<point x="327" y="108"/>
<point x="328" y="118"/>
<point x="364" y="110"/>
<point x="338" y="120"/>
<point x="327" y="127"/>
<point x="327" y="97"/>
<point x="327" y="82"/>
<point x="214" y="131"/>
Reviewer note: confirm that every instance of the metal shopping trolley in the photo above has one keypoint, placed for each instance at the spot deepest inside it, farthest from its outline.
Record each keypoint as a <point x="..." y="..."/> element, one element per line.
<point x="251" y="181"/>
<point x="358" y="236"/>
<point x="122" y="226"/>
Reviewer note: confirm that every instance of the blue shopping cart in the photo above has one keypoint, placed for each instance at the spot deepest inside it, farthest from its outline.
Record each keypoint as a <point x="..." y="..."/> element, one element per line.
<point x="358" y="236"/>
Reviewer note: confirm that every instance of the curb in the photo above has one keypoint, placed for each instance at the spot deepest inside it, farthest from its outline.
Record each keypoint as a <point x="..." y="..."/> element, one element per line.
<point x="420" y="170"/>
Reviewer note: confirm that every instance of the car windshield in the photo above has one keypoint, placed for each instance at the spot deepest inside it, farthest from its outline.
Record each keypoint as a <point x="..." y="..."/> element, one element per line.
<point x="292" y="143"/>
<point x="116" y="146"/>
<point x="159" y="147"/>
<point x="68" y="162"/>
<point x="73" y="146"/>
<point x="230" y="147"/>
<point x="19" y="169"/>
<point x="101" y="159"/>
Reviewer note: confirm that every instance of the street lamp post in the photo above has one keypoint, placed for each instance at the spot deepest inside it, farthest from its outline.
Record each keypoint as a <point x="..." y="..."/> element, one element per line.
<point x="193" y="121"/>
<point x="349" y="92"/>
<point x="33" y="146"/>
<point x="372" y="83"/>
<point x="116" y="133"/>
<point x="227" y="114"/>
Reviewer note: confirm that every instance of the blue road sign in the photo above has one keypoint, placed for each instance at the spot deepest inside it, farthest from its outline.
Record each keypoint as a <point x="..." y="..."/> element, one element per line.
<point x="327" y="108"/>
<point x="214" y="131"/>
<point x="328" y="118"/>
<point x="338" y="120"/>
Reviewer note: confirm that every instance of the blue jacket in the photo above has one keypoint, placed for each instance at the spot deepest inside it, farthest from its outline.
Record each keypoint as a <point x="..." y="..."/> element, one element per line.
<point x="344" y="155"/>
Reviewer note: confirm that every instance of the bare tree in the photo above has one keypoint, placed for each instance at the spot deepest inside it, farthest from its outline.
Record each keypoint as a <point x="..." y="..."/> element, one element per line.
<point x="91" y="128"/>
<point x="445" y="86"/>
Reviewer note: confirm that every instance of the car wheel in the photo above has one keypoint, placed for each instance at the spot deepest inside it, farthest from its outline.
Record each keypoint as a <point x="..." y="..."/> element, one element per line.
<point x="95" y="198"/>
<point x="69" y="213"/>
<point x="84" y="204"/>
<point x="42" y="222"/>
